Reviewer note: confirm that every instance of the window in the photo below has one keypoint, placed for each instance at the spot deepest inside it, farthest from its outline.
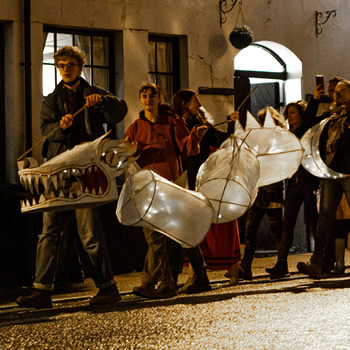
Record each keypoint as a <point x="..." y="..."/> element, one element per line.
<point x="98" y="47"/>
<point x="163" y="61"/>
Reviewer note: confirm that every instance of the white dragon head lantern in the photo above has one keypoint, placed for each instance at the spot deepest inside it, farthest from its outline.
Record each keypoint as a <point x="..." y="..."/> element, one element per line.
<point x="80" y="177"/>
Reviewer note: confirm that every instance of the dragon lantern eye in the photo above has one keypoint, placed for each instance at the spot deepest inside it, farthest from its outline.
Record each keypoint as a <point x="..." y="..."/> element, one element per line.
<point x="111" y="157"/>
<point x="76" y="172"/>
<point x="66" y="174"/>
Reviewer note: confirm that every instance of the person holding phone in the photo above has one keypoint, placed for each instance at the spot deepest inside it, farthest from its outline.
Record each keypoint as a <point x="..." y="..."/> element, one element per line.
<point x="321" y="104"/>
<point x="320" y="82"/>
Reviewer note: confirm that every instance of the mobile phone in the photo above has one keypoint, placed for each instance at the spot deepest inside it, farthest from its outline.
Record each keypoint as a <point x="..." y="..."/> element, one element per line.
<point x="320" y="81"/>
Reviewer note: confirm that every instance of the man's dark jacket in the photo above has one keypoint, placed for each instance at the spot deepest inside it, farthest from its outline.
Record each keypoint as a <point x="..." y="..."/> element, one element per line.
<point x="110" y="111"/>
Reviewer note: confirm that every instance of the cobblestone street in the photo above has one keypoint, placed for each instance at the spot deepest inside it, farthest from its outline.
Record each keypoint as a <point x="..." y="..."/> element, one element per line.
<point x="296" y="313"/>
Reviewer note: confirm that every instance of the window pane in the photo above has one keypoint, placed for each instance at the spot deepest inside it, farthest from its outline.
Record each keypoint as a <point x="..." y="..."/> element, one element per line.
<point x="165" y="83"/>
<point x="100" y="51"/>
<point x="49" y="48"/>
<point x="64" y="40"/>
<point x="86" y="74"/>
<point x="152" y="78"/>
<point x="101" y="78"/>
<point x="152" y="56"/>
<point x="58" y="76"/>
<point x="100" y="57"/>
<point x="84" y="44"/>
<point x="164" y="57"/>
<point x="48" y="79"/>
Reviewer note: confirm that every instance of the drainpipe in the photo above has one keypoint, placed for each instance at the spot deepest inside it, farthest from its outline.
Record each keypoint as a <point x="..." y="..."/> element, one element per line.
<point x="27" y="75"/>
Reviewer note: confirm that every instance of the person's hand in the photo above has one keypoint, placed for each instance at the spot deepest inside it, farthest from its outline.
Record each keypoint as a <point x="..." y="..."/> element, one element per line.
<point x="132" y="143"/>
<point x="92" y="100"/>
<point x="318" y="91"/>
<point x="234" y="115"/>
<point x="66" y="121"/>
<point x="200" y="131"/>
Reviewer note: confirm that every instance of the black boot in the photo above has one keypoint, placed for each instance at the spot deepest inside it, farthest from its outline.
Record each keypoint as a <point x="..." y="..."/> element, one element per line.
<point x="199" y="282"/>
<point x="109" y="295"/>
<point x="280" y="270"/>
<point x="245" y="270"/>
<point x="311" y="269"/>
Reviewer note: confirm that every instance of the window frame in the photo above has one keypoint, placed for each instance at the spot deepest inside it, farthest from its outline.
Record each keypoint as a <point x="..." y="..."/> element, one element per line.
<point x="175" y="73"/>
<point x="98" y="33"/>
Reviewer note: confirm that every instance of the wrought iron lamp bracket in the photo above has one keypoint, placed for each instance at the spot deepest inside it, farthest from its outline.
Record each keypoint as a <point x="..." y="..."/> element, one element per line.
<point x="322" y="18"/>
<point x="226" y="6"/>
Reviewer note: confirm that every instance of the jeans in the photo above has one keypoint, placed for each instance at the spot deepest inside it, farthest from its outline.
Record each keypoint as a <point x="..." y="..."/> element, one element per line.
<point x="69" y="266"/>
<point x="331" y="193"/>
<point x="92" y="238"/>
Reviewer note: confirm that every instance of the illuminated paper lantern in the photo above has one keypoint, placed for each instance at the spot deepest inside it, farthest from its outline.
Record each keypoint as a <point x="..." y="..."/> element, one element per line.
<point x="278" y="150"/>
<point x="83" y="176"/>
<point x="312" y="160"/>
<point x="149" y="200"/>
<point x="229" y="179"/>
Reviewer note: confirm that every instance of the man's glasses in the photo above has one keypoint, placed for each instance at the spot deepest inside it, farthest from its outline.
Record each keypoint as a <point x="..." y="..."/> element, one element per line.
<point x="69" y="66"/>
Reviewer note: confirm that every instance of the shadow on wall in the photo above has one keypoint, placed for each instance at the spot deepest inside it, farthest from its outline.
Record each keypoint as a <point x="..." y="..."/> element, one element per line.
<point x="218" y="45"/>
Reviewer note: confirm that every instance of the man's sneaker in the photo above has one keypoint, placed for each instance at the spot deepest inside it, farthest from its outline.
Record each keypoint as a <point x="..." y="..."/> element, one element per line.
<point x="165" y="290"/>
<point x="280" y="270"/>
<point x="107" y="295"/>
<point x="311" y="269"/>
<point x="38" y="299"/>
<point x="144" y="291"/>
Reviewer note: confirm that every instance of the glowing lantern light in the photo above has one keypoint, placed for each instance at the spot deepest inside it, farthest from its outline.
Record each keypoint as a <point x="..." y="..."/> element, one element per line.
<point x="148" y="200"/>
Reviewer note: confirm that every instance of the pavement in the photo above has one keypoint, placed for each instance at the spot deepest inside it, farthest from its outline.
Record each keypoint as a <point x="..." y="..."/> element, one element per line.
<point x="292" y="313"/>
<point x="76" y="297"/>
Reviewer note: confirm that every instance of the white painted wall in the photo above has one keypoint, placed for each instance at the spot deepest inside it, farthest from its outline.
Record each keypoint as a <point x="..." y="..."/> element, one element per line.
<point x="292" y="24"/>
<point x="210" y="54"/>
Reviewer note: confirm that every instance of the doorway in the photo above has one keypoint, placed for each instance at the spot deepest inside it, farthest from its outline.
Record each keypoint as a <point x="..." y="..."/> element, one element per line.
<point x="273" y="70"/>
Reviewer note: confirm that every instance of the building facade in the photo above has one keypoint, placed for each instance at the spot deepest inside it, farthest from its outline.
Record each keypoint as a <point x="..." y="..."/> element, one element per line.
<point x="178" y="44"/>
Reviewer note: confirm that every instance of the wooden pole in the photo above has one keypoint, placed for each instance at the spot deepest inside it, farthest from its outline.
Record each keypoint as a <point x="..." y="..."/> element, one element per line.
<point x="48" y="135"/>
<point x="239" y="107"/>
